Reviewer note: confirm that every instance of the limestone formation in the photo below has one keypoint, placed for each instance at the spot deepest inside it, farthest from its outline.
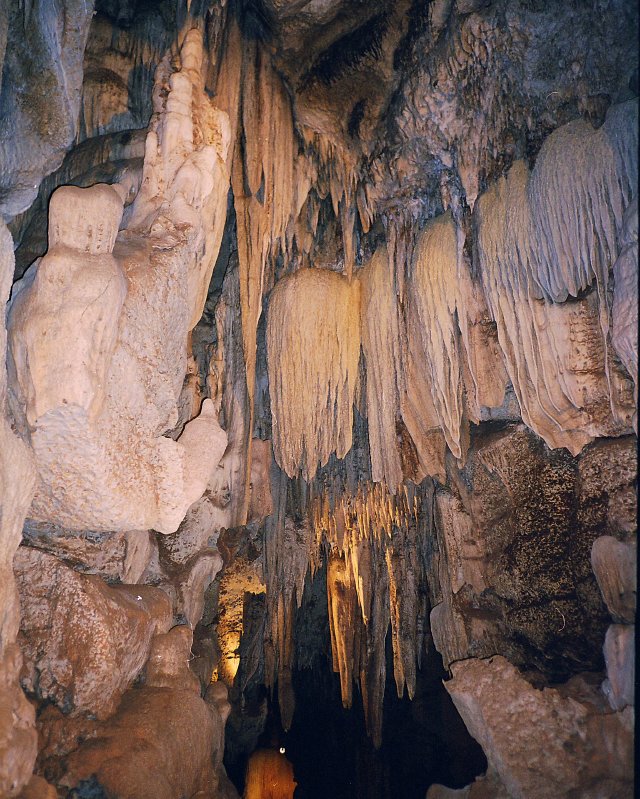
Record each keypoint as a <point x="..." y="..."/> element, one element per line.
<point x="520" y="241"/>
<point x="41" y="58"/>
<point x="18" y="737"/>
<point x="319" y="354"/>
<point x="624" y="311"/>
<point x="38" y="788"/>
<point x="381" y="345"/>
<point x="583" y="749"/>
<point x="168" y="662"/>
<point x="614" y="566"/>
<point x="17" y="482"/>
<point x="97" y="392"/>
<point x="145" y="747"/>
<point x="313" y="340"/>
<point x="619" y="655"/>
<point x="116" y="557"/>
<point x="84" y="642"/>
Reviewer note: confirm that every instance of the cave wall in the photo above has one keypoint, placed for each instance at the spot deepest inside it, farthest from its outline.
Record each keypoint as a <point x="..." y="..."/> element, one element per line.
<point x="327" y="292"/>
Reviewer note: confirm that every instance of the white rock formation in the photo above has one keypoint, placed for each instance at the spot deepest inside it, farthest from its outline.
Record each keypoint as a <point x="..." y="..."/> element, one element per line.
<point x="547" y="236"/>
<point x="17" y="482"/>
<point x="313" y="345"/>
<point x="381" y="345"/>
<point x="624" y="312"/>
<point x="99" y="327"/>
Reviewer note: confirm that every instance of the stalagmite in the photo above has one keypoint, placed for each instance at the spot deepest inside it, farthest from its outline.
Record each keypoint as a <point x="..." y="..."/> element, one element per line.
<point x="268" y="187"/>
<point x="313" y="343"/>
<point x="269" y="776"/>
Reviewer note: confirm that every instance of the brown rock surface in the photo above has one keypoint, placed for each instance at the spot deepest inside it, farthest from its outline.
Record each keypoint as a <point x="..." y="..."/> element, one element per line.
<point x="84" y="641"/>
<point x="511" y="571"/>
<point x="198" y="530"/>
<point x="192" y="582"/>
<point x="38" y="788"/>
<point x="17" y="726"/>
<point x="116" y="557"/>
<point x="58" y="735"/>
<point x="160" y="743"/>
<point x="619" y="655"/>
<point x="539" y="742"/>
<point x="486" y="787"/>
<point x="168" y="663"/>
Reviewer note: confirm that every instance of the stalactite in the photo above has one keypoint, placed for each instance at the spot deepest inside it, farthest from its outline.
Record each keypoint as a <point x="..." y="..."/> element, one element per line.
<point x="625" y="298"/>
<point x="382" y="350"/>
<point x="313" y="343"/>
<point x="582" y="182"/>
<point x="431" y="398"/>
<point x="373" y="580"/>
<point x="344" y="623"/>
<point x="541" y="239"/>
<point x="373" y="662"/>
<point x="286" y="556"/>
<point x="505" y="234"/>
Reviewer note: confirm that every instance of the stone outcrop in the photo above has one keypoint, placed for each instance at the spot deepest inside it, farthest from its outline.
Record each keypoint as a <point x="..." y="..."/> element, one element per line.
<point x="619" y="656"/>
<point x="41" y="59"/>
<point x="17" y="482"/>
<point x="18" y="738"/>
<point x="116" y="557"/>
<point x="614" y="564"/>
<point x="38" y="788"/>
<point x="84" y="641"/>
<point x="160" y="743"/>
<point x="511" y="571"/>
<point x="581" y="747"/>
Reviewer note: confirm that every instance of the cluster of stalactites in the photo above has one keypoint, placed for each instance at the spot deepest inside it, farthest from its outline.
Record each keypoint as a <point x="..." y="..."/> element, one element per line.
<point x="374" y="546"/>
<point x="313" y="346"/>
<point x="374" y="572"/>
<point x="374" y="576"/>
<point x="278" y="181"/>
<point x="548" y="235"/>
<point x="288" y="550"/>
<point x="442" y="340"/>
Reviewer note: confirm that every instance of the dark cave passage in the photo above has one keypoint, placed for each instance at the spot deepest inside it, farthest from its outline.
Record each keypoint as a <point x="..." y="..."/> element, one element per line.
<point x="424" y="741"/>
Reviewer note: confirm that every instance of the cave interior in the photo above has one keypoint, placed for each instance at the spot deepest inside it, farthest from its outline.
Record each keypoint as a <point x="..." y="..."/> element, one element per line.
<point x="318" y="399"/>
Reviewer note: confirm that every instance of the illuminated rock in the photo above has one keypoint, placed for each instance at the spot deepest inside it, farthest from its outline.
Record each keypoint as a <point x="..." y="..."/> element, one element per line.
<point x="98" y="340"/>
